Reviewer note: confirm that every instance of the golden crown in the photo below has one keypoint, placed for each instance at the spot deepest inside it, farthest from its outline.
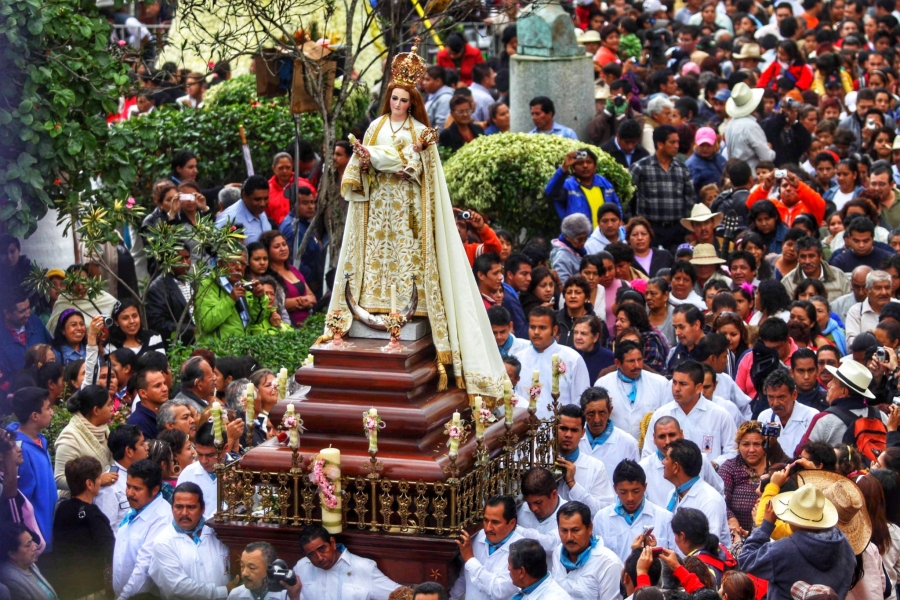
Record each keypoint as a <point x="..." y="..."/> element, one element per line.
<point x="408" y="67"/>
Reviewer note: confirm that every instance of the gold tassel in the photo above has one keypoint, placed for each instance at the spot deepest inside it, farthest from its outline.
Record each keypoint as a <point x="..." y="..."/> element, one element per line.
<point x="645" y="424"/>
<point x="445" y="357"/>
<point x="460" y="383"/>
<point x="442" y="379"/>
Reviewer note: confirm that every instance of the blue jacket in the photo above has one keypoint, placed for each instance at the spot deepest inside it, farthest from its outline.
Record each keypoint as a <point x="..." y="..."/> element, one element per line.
<point x="512" y="304"/>
<point x="568" y="198"/>
<point x="705" y="171"/>
<point x="36" y="481"/>
<point x="12" y="353"/>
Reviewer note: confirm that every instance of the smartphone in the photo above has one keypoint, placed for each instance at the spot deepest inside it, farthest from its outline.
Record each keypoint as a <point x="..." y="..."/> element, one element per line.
<point x="187" y="197"/>
<point x="114" y="469"/>
<point x="780" y="173"/>
<point x="657" y="552"/>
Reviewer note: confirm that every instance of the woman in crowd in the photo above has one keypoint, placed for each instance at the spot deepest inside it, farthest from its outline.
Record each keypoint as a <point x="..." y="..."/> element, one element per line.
<point x="498" y="121"/>
<point x="880" y="146"/>
<point x="182" y="453"/>
<point x="73" y="377"/>
<point x="257" y="261"/>
<point x="656" y="349"/>
<point x="541" y="291"/>
<point x="771" y="300"/>
<point x="848" y="184"/>
<point x="128" y="330"/>
<point x="611" y="285"/>
<point x="693" y="538"/>
<point x="829" y="328"/>
<point x="745" y="300"/>
<point x="39" y="355"/>
<point x="193" y="205"/>
<point x="711" y="289"/>
<point x="872" y="584"/>
<point x="835" y="225"/>
<point x="575" y="296"/>
<point x="808" y="288"/>
<point x="161" y="453"/>
<point x="69" y="337"/>
<point x="86" y="434"/>
<point x="766" y="222"/>
<point x="506" y="243"/>
<point x="659" y="309"/>
<point x="731" y="325"/>
<point x="298" y="298"/>
<point x="890" y="487"/>
<point x="741" y="476"/>
<point x="803" y="312"/>
<point x="15" y="507"/>
<point x="83" y="541"/>
<point x="267" y="390"/>
<point x="683" y="281"/>
<point x="648" y="259"/>
<point x="789" y="63"/>
<point x="753" y="243"/>
<point x="18" y="564"/>
<point x="588" y="341"/>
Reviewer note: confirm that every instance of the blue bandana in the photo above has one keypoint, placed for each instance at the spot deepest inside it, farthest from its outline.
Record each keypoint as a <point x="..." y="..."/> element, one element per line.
<point x="582" y="558"/>
<point x="600" y="439"/>
<point x="574" y="456"/>
<point x="659" y="454"/>
<point x="527" y="590"/>
<point x="493" y="547"/>
<point x="504" y="349"/>
<point x="632" y="394"/>
<point x="132" y="514"/>
<point x="629" y="518"/>
<point x="194" y="533"/>
<point x="679" y="490"/>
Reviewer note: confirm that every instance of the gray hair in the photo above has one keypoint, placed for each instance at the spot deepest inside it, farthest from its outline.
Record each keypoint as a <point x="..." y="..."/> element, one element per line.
<point x="876" y="277"/>
<point x="234" y="392"/>
<point x="280" y="156"/>
<point x="279" y="291"/>
<point x="191" y="371"/>
<point x="658" y="104"/>
<point x="229" y="196"/>
<point x="166" y="414"/>
<point x="575" y="225"/>
<point x="268" y="551"/>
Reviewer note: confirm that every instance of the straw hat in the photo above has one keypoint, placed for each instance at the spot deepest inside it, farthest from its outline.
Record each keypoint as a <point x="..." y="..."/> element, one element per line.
<point x="855" y="376"/>
<point x="589" y="37"/>
<point x="849" y="504"/>
<point x="743" y="101"/>
<point x="748" y="51"/>
<point x="601" y="90"/>
<point x="807" y="507"/>
<point x="699" y="214"/>
<point x="705" y="254"/>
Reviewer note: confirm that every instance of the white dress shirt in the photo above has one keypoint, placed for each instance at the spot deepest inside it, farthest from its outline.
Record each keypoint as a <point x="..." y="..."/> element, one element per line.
<point x="593" y="486"/>
<point x="195" y="473"/>
<point x="861" y="317"/>
<point x="618" y="534"/>
<point x="619" y="446"/>
<point x="711" y="503"/>
<point x="548" y="590"/>
<point x="651" y="394"/>
<point x="728" y="389"/>
<point x="792" y="433"/>
<point x="242" y="593"/>
<point x="351" y="578"/>
<point x="526" y="518"/>
<point x="730" y="408"/>
<point x="659" y="490"/>
<point x="709" y="426"/>
<point x="183" y="570"/>
<point x="597" y="579"/>
<point x="112" y="501"/>
<point x="486" y="576"/>
<point x="134" y="549"/>
<point x="571" y="384"/>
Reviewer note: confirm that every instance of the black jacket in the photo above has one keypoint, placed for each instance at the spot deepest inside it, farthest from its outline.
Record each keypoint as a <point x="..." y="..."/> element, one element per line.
<point x="610" y="148"/>
<point x="661" y="259"/>
<point x="789" y="143"/>
<point x="451" y="138"/>
<point x="165" y="305"/>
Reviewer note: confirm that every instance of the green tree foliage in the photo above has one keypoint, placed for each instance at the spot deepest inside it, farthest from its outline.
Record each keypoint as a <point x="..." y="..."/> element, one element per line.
<point x="59" y="80"/>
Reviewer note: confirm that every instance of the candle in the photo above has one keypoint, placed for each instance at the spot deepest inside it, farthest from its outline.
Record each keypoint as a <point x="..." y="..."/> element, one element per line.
<point x="536" y="377"/>
<point x="331" y="517"/>
<point x="507" y="400"/>
<point x="373" y="432"/>
<point x="293" y="434"/>
<point x="282" y="383"/>
<point x="251" y="412"/>
<point x="393" y="297"/>
<point x="217" y="424"/>
<point x="554" y="380"/>
<point x="479" y="423"/>
<point x="454" y="441"/>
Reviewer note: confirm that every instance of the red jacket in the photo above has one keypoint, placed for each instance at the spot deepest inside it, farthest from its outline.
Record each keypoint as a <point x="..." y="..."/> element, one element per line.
<point x="489" y="243"/>
<point x="801" y="75"/>
<point x="808" y="202"/>
<point x="471" y="57"/>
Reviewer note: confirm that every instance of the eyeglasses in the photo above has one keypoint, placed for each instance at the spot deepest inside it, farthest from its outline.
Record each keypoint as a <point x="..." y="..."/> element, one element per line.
<point x="462" y="113"/>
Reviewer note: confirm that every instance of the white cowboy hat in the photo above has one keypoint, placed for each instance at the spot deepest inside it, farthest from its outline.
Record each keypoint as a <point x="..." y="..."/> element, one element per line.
<point x="705" y="254"/>
<point x="854" y="376"/>
<point x="807" y="507"/>
<point x="743" y="101"/>
<point x="601" y="91"/>
<point x="699" y="214"/>
<point x="589" y="37"/>
<point x="748" y="51"/>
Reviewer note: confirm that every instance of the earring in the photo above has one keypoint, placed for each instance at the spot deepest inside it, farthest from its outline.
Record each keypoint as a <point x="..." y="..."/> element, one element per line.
<point x="176" y="469"/>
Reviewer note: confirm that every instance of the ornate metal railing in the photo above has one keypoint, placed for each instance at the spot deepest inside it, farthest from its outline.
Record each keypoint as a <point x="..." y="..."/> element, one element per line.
<point x="376" y="503"/>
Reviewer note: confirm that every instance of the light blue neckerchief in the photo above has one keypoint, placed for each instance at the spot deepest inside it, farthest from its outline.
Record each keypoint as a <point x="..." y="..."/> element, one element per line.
<point x="679" y="490"/>
<point x="132" y="514"/>
<point x="582" y="558"/>
<point x="629" y="518"/>
<point x="574" y="456"/>
<point x="659" y="454"/>
<point x="194" y="533"/>
<point x="494" y="547"/>
<point x="527" y="590"/>
<point x="504" y="349"/>
<point x="600" y="439"/>
<point x="632" y="394"/>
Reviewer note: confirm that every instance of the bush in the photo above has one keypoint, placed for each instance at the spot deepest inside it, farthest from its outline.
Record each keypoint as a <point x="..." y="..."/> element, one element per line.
<point x="504" y="175"/>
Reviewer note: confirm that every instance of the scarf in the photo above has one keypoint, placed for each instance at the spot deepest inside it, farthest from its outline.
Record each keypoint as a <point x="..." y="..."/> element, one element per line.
<point x="679" y="490"/>
<point x="629" y="518"/>
<point x="582" y="558"/>
<point x="93" y="436"/>
<point x="494" y="547"/>
<point x="574" y="456"/>
<point x="528" y="590"/>
<point x="579" y="251"/>
<point x="660" y="455"/>
<point x="632" y="394"/>
<point x="504" y="349"/>
<point x="194" y="533"/>
<point x="600" y="439"/>
<point x="835" y="333"/>
<point x="132" y="514"/>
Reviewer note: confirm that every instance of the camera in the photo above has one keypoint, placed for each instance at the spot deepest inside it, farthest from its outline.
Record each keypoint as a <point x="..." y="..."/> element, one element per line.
<point x="771" y="430"/>
<point x="792" y="104"/>
<point x="247" y="285"/>
<point x="618" y="100"/>
<point x="780" y="173"/>
<point x="187" y="197"/>
<point x="277" y="572"/>
<point x="870" y="124"/>
<point x="581" y="154"/>
<point x="881" y="355"/>
<point x="463" y="215"/>
<point x="107" y="320"/>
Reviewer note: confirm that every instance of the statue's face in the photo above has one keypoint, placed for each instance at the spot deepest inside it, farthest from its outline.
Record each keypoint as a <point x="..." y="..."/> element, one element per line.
<point x="400" y="103"/>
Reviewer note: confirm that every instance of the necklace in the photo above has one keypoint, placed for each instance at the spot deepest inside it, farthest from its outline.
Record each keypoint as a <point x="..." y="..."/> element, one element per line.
<point x="391" y="125"/>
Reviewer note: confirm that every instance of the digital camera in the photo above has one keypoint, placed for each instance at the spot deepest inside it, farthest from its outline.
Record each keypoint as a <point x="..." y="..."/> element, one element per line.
<point x="277" y="572"/>
<point x="771" y="430"/>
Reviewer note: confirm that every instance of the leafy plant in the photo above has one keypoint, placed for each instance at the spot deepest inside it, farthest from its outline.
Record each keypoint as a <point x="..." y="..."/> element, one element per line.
<point x="61" y="418"/>
<point x="505" y="175"/>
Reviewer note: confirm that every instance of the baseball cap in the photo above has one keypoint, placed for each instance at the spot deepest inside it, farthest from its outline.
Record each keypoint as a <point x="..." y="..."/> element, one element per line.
<point x="723" y="95"/>
<point x="61" y="274"/>
<point x="652" y="6"/>
<point x="705" y="135"/>
<point x="805" y="591"/>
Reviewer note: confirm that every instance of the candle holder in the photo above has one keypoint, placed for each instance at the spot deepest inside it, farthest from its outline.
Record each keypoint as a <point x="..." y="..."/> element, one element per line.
<point x="374" y="465"/>
<point x="452" y="469"/>
<point x="394" y="323"/>
<point x="334" y="323"/>
<point x="296" y="460"/>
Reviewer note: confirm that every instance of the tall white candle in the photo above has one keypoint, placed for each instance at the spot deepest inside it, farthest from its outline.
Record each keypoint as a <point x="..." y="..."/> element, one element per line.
<point x="554" y="379"/>
<point x="331" y="517"/>
<point x="507" y="401"/>
<point x="393" y="297"/>
<point x="373" y="433"/>
<point x="476" y="413"/>
<point x="217" y="423"/>
<point x="293" y="434"/>
<point x="454" y="442"/>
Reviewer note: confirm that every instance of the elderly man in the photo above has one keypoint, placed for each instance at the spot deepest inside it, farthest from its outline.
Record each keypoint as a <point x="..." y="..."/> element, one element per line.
<point x="640" y="391"/>
<point x="198" y="383"/>
<point x="542" y="113"/>
<point x="858" y="292"/>
<point x="568" y="248"/>
<point x="864" y="315"/>
<point x="744" y="137"/>
<point x="176" y="414"/>
<point x="811" y="266"/>
<point x="702" y="224"/>
<point x="602" y="439"/>
<point x="224" y="308"/>
<point x="255" y="561"/>
<point x="577" y="188"/>
<point x="659" y="112"/>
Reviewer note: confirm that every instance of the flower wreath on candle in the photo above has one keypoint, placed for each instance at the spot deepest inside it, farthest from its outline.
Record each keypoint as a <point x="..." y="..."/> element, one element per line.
<point x="371" y="424"/>
<point x="323" y="475"/>
<point x="535" y="391"/>
<point x="561" y="368"/>
<point x="456" y="432"/>
<point x="486" y="416"/>
<point x="287" y="423"/>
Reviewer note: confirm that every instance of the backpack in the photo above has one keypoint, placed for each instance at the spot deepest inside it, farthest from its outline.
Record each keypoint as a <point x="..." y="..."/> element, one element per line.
<point x="867" y="433"/>
<point x="720" y="566"/>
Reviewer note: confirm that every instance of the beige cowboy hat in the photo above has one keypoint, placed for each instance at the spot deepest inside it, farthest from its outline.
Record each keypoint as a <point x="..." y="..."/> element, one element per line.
<point x="699" y="214"/>
<point x="748" y="51"/>
<point x="589" y="37"/>
<point x="705" y="254"/>
<point x="743" y="101"/>
<point x="848" y="501"/>
<point x="855" y="376"/>
<point x="807" y="507"/>
<point x="601" y="91"/>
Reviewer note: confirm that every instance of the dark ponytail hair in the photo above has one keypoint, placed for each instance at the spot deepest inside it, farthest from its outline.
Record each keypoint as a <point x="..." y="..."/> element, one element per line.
<point x="88" y="398"/>
<point x="695" y="527"/>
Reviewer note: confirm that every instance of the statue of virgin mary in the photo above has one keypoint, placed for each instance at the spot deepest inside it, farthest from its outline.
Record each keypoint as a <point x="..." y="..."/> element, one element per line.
<point x="400" y="226"/>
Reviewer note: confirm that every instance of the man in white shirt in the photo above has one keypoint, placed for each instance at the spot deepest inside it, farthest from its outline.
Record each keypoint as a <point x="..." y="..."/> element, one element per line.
<point x="713" y="351"/>
<point x="542" y="501"/>
<point x="255" y="562"/>
<point x="707" y="425"/>
<point x="542" y="330"/>
<point x="189" y="562"/>
<point x="635" y="392"/>
<point x="864" y="315"/>
<point x="620" y="524"/>
<point x="195" y="87"/>
<point x="681" y="468"/>
<point x="485" y="555"/>
<point x="582" y="566"/>
<point x="150" y="514"/>
<point x="529" y="572"/>
<point x="584" y="477"/>
<point x="482" y="81"/>
<point x="793" y="418"/>
<point x="128" y="446"/>
<point x="602" y="439"/>
<point x="323" y="576"/>
<point x="664" y="431"/>
<point x="710" y="386"/>
<point x="203" y="471"/>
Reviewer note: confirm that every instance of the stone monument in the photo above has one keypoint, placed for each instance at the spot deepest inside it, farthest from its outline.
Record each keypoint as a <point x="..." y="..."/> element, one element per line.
<point x="550" y="63"/>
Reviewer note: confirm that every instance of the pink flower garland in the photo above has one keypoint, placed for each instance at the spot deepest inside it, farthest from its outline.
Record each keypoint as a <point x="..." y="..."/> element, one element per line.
<point x="320" y="476"/>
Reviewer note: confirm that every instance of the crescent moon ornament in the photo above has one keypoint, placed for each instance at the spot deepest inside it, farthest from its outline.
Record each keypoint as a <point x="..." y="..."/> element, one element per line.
<point x="377" y="322"/>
